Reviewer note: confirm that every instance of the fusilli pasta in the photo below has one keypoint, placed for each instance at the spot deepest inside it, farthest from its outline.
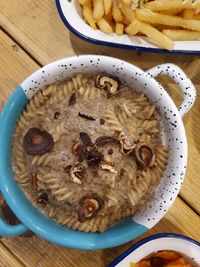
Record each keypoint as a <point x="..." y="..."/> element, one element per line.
<point x="86" y="154"/>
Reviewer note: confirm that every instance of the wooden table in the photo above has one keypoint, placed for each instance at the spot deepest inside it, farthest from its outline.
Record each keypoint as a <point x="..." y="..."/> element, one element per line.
<point x="32" y="35"/>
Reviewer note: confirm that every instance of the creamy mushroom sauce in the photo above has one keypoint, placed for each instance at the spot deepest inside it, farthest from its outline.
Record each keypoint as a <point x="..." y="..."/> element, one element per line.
<point x="84" y="176"/>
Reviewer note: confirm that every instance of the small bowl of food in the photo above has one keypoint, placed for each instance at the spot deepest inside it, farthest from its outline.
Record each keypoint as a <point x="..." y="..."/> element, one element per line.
<point x="141" y="25"/>
<point x="161" y="250"/>
<point x="93" y="151"/>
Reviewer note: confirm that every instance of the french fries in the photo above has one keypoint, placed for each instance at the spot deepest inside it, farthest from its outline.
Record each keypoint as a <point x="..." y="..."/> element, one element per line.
<point x="127" y="2"/>
<point x="156" y="18"/>
<point x="117" y="15"/>
<point x="162" y="21"/>
<point x="155" y="36"/>
<point x="119" y="28"/>
<point x="172" y="11"/>
<point x="104" y="26"/>
<point x="98" y="10"/>
<point x="197" y="17"/>
<point x="182" y="35"/>
<point x="107" y="6"/>
<point x="133" y="27"/>
<point x="82" y="2"/>
<point x="127" y="12"/>
<point x="161" y="5"/>
<point x="188" y="13"/>
<point x="87" y="13"/>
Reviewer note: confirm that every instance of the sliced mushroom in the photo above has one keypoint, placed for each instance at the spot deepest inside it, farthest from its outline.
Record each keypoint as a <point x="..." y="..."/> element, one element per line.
<point x="85" y="138"/>
<point x="56" y="115"/>
<point x="37" y="142"/>
<point x="76" y="147"/>
<point x="86" y="117"/>
<point x="72" y="100"/>
<point x="102" y="121"/>
<point x="86" y="150"/>
<point x="144" y="154"/>
<point x="80" y="150"/>
<point x="103" y="140"/>
<point x="34" y="181"/>
<point x="125" y="147"/>
<point x="94" y="157"/>
<point x="43" y="199"/>
<point x="110" y="151"/>
<point x="67" y="169"/>
<point x="108" y="167"/>
<point x="89" y="206"/>
<point x="77" y="173"/>
<point x="110" y="178"/>
<point x="107" y="83"/>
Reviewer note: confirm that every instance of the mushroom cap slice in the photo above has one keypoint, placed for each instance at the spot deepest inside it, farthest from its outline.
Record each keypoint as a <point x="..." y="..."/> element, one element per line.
<point x="89" y="206"/>
<point x="37" y="142"/>
<point x="103" y="140"/>
<point x="125" y="147"/>
<point x="144" y="154"/>
<point x="107" y="83"/>
<point x="77" y="173"/>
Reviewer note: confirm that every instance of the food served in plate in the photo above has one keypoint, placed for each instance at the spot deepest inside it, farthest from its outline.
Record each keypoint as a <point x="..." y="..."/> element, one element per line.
<point x="165" y="258"/>
<point x="88" y="152"/>
<point x="162" y="21"/>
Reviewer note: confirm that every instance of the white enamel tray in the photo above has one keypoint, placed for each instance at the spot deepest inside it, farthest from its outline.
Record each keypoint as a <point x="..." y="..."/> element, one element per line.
<point x="163" y="241"/>
<point x="70" y="13"/>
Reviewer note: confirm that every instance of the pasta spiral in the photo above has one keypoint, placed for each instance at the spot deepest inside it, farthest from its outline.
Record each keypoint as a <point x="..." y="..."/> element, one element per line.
<point x="88" y="144"/>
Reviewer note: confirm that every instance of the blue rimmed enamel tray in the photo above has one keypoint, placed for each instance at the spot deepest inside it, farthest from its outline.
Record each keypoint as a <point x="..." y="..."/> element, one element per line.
<point x="70" y="13"/>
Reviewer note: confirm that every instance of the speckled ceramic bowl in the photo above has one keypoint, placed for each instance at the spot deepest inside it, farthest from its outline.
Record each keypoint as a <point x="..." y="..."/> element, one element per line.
<point x="165" y="241"/>
<point x="173" y="134"/>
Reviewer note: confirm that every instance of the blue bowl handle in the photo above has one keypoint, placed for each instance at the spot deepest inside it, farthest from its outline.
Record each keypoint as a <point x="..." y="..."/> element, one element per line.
<point x="11" y="230"/>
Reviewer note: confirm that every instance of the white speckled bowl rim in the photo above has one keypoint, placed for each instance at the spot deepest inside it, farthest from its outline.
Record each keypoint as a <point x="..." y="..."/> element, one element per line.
<point x="173" y="131"/>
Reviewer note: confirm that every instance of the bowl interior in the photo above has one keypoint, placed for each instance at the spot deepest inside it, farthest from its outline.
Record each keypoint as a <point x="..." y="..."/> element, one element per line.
<point x="172" y="132"/>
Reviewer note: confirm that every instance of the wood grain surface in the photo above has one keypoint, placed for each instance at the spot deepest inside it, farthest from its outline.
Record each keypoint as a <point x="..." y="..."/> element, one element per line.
<point x="7" y="258"/>
<point x="33" y="35"/>
<point x="37" y="252"/>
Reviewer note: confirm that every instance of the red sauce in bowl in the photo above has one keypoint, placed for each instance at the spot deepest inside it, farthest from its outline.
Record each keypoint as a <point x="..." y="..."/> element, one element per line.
<point x="165" y="258"/>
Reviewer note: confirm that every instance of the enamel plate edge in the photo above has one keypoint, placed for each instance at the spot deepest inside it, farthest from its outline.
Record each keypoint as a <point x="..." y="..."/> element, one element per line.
<point x="70" y="13"/>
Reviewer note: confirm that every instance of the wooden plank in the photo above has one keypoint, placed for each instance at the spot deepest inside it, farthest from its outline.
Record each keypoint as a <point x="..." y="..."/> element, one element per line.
<point x="37" y="252"/>
<point x="191" y="187"/>
<point x="37" y="26"/>
<point x="8" y="259"/>
<point x="15" y="65"/>
<point x="12" y="58"/>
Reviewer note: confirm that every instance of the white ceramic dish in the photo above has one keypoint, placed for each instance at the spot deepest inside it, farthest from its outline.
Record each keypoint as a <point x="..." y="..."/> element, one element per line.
<point x="173" y="134"/>
<point x="179" y="243"/>
<point x="70" y="12"/>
